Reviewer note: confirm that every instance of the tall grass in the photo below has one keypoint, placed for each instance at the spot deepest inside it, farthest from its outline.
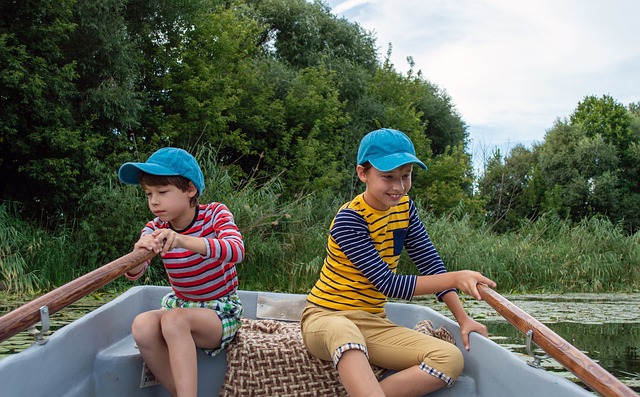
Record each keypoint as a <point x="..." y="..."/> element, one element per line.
<point x="285" y="242"/>
<point x="32" y="259"/>
<point x="13" y="273"/>
<point x="548" y="255"/>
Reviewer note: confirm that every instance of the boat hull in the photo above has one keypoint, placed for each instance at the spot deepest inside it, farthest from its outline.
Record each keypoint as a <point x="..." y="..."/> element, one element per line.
<point x="96" y="354"/>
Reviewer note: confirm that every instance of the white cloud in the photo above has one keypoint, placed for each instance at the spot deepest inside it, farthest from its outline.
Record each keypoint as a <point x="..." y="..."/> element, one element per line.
<point x="344" y="6"/>
<point x="511" y="67"/>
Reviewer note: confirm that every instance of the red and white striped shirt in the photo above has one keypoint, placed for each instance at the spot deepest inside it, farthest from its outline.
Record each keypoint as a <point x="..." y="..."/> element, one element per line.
<point x="196" y="277"/>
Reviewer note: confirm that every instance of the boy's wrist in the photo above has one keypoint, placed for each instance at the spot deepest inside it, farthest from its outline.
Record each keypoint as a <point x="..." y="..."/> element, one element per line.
<point x="136" y="275"/>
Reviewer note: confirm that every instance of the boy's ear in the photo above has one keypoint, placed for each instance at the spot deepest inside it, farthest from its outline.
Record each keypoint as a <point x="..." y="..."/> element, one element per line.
<point x="193" y="190"/>
<point x="362" y="173"/>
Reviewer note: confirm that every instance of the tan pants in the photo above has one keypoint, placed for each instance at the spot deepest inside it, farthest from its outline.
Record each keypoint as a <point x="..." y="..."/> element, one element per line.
<point x="388" y="345"/>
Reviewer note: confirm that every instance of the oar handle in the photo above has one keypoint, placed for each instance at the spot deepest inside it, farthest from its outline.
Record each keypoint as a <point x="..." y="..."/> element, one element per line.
<point x="592" y="374"/>
<point x="29" y="314"/>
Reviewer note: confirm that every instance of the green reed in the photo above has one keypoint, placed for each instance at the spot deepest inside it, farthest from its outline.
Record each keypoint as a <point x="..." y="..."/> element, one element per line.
<point x="285" y="242"/>
<point x="547" y="255"/>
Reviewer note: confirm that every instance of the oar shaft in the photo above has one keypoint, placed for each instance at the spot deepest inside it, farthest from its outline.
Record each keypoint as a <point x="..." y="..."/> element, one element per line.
<point x="592" y="374"/>
<point x="56" y="300"/>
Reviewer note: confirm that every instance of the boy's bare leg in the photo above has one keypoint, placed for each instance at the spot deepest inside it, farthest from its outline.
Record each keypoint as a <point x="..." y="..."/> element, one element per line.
<point x="147" y="333"/>
<point x="356" y="375"/>
<point x="411" y="382"/>
<point x="167" y="341"/>
<point x="184" y="330"/>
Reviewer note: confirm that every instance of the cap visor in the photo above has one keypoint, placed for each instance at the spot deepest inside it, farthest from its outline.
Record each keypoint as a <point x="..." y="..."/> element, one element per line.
<point x="129" y="173"/>
<point x="393" y="161"/>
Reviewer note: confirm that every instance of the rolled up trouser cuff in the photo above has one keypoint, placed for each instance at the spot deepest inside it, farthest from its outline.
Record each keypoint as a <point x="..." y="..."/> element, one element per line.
<point x="337" y="354"/>
<point x="434" y="372"/>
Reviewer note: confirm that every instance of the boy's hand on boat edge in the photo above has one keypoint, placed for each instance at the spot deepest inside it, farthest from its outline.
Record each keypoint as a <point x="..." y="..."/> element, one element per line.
<point x="469" y="281"/>
<point x="469" y="325"/>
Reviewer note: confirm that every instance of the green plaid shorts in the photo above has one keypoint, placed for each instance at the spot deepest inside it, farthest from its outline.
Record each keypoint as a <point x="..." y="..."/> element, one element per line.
<point x="228" y="308"/>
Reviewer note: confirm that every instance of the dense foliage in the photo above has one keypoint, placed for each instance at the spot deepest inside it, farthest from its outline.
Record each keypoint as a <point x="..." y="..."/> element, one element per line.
<point x="587" y="166"/>
<point x="272" y="96"/>
<point x="279" y="87"/>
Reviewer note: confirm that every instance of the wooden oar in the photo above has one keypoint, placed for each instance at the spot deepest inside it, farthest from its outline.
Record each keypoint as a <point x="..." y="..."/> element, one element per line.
<point x="592" y="374"/>
<point x="29" y="314"/>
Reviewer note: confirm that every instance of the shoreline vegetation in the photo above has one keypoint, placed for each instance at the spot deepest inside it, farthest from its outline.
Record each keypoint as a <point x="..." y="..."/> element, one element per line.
<point x="285" y="244"/>
<point x="272" y="98"/>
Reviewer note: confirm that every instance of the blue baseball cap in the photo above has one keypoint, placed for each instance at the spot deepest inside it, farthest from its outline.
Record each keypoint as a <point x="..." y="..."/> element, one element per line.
<point x="167" y="161"/>
<point x="387" y="149"/>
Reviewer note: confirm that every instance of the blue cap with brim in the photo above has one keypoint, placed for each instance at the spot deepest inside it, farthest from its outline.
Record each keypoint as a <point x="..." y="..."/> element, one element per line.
<point x="165" y="162"/>
<point x="387" y="149"/>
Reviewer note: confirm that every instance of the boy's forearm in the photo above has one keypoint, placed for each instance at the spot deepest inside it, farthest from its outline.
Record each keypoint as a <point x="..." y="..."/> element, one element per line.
<point x="452" y="301"/>
<point x="136" y="272"/>
<point x="441" y="282"/>
<point x="195" y="244"/>
<point x="431" y="284"/>
<point x="136" y="269"/>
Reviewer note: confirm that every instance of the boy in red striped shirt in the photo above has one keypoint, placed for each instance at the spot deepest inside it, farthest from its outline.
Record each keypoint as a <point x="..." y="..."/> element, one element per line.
<point x="200" y="245"/>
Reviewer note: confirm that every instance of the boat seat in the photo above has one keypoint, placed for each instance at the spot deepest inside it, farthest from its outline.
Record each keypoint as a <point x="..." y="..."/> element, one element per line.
<point x="268" y="358"/>
<point x="118" y="371"/>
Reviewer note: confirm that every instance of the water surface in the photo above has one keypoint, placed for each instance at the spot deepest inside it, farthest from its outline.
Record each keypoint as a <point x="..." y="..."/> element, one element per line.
<point x="606" y="327"/>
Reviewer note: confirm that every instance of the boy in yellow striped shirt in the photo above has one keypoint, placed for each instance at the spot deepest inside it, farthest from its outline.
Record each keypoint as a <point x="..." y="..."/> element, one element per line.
<point x="345" y="321"/>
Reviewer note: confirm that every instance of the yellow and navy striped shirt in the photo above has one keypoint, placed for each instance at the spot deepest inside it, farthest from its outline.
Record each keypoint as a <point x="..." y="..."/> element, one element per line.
<point x="363" y="251"/>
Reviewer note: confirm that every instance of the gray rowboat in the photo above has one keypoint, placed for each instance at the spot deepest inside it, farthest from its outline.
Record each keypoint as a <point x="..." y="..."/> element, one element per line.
<point x="96" y="355"/>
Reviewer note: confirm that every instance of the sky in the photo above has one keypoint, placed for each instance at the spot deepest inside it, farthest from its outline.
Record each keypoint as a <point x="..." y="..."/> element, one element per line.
<point x="511" y="67"/>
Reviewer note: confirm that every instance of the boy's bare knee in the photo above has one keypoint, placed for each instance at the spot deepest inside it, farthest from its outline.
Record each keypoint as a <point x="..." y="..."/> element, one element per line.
<point x="173" y="323"/>
<point x="356" y="374"/>
<point x="145" y="325"/>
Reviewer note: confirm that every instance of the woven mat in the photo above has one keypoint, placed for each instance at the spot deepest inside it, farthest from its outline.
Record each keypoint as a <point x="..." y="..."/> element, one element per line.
<point x="268" y="358"/>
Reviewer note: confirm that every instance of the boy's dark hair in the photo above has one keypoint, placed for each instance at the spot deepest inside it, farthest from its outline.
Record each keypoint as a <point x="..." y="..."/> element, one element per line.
<point x="367" y="166"/>
<point x="178" y="181"/>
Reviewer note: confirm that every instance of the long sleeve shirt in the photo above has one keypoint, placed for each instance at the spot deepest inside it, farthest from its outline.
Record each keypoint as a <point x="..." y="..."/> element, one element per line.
<point x="201" y="278"/>
<point x="363" y="251"/>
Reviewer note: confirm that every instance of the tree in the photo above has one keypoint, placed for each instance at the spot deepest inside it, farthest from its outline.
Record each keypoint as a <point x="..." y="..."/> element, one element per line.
<point x="604" y="117"/>
<point x="276" y="88"/>
<point x="510" y="188"/>
<point x="590" y="165"/>
<point x="315" y="120"/>
<point x="611" y="158"/>
<point x="447" y="184"/>
<point x="304" y="34"/>
<point x="68" y="73"/>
